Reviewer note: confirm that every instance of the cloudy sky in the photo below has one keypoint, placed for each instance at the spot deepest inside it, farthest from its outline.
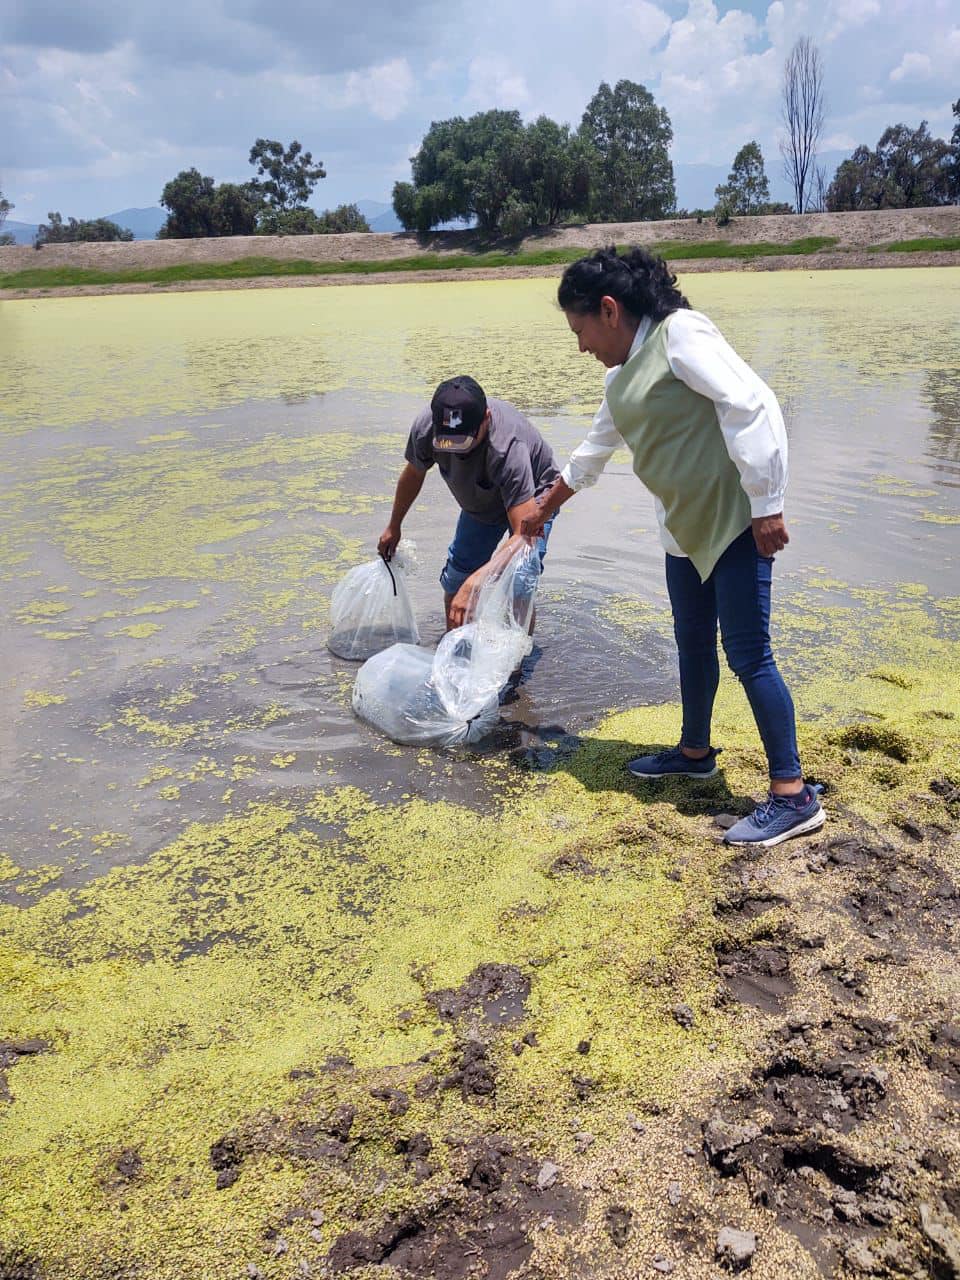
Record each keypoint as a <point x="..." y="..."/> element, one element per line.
<point x="102" y="102"/>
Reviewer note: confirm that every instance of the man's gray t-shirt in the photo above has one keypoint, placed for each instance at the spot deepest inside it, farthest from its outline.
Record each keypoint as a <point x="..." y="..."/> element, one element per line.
<point x="513" y="464"/>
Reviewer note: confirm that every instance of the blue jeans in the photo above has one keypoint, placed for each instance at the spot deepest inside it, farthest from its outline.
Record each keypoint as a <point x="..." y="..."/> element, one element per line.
<point x="737" y="593"/>
<point x="472" y="546"/>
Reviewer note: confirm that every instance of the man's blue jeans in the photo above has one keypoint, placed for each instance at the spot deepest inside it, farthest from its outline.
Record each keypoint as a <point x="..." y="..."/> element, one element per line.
<point x="737" y="594"/>
<point x="474" y="543"/>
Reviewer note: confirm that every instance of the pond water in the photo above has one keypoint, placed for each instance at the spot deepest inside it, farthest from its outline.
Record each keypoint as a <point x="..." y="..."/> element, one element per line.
<point x="185" y="477"/>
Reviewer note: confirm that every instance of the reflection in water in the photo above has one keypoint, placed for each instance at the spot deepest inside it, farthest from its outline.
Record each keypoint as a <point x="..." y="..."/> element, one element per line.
<point x="942" y="393"/>
<point x="167" y="553"/>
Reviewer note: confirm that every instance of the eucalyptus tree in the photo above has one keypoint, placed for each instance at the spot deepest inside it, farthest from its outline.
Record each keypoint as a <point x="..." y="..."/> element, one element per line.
<point x="494" y="170"/>
<point x="286" y="176"/>
<point x="199" y="207"/>
<point x="747" y="189"/>
<point x="909" y="169"/>
<point x="629" y="136"/>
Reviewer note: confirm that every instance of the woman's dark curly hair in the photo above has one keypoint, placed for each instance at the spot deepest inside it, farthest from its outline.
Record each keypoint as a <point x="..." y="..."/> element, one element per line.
<point x="640" y="281"/>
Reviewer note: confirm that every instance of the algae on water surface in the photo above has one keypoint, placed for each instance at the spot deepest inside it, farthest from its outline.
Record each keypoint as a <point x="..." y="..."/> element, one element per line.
<point x="75" y="360"/>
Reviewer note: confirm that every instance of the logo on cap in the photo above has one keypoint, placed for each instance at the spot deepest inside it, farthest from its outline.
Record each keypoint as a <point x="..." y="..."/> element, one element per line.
<point x="458" y="408"/>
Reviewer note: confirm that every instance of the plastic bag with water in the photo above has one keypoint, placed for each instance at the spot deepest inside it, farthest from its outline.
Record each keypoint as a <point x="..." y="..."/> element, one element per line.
<point x="474" y="662"/>
<point x="450" y="698"/>
<point x="370" y="609"/>
<point x="394" y="692"/>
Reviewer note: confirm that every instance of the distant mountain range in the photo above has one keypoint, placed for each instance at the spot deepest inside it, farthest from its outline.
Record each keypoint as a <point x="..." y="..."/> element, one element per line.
<point x="379" y="215"/>
<point x="696" y="184"/>
<point x="144" y="223"/>
<point x="22" y="232"/>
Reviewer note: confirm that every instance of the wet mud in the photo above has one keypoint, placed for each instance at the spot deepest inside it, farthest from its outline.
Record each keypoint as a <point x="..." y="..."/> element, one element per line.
<point x="840" y="1129"/>
<point x="846" y="1129"/>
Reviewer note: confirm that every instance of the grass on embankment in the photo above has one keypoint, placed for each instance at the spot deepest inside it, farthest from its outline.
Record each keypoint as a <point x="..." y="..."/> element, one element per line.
<point x="252" y="268"/>
<point x="924" y="244"/>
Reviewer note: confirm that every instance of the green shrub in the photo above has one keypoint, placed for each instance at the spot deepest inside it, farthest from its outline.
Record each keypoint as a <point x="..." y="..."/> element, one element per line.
<point x="515" y="219"/>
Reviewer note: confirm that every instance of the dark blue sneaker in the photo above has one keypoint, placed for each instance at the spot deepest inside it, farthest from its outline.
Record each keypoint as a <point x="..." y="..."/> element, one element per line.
<point x="780" y="818"/>
<point x="674" y="764"/>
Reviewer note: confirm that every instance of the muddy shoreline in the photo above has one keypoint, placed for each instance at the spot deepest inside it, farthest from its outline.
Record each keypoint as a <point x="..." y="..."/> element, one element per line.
<point x="828" y="1144"/>
<point x="840" y="1133"/>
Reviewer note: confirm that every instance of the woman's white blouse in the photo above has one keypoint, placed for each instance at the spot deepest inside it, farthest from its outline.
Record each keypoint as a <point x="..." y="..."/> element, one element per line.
<point x="747" y="413"/>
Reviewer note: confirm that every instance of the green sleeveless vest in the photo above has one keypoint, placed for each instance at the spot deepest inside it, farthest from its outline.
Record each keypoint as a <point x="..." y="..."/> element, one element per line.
<point x="679" y="452"/>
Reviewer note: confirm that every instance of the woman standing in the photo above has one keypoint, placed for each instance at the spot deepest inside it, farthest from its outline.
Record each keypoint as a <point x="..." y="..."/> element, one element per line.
<point x="708" y="440"/>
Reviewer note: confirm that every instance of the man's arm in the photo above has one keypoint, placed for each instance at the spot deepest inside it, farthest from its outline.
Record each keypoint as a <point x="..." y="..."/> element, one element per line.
<point x="460" y="605"/>
<point x="408" y="486"/>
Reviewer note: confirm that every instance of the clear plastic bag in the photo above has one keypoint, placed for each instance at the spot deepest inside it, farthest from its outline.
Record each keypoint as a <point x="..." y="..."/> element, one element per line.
<point x="370" y="610"/>
<point x="450" y="698"/>
<point x="393" y="692"/>
<point x="474" y="662"/>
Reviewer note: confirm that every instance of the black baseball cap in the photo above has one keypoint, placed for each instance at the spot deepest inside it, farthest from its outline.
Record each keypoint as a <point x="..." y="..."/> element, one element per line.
<point x="459" y="407"/>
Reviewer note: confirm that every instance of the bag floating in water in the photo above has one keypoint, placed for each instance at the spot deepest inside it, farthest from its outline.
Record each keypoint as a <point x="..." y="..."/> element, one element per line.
<point x="394" y="692"/>
<point x="370" y="610"/>
<point x="450" y="698"/>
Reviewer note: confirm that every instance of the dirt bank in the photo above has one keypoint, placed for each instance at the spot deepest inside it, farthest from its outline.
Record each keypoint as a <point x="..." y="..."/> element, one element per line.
<point x="682" y="266"/>
<point x="855" y="233"/>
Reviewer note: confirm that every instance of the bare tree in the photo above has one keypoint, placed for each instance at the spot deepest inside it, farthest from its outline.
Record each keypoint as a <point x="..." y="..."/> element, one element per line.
<point x="802" y="111"/>
<point x="820" y="185"/>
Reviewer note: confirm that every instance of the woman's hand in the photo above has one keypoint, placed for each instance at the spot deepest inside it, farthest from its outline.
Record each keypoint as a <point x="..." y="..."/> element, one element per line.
<point x="532" y="526"/>
<point x="548" y="504"/>
<point x="770" y="534"/>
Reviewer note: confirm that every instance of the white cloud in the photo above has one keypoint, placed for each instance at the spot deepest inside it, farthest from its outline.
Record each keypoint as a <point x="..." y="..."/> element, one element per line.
<point x="776" y="21"/>
<point x="702" y="38"/>
<point x="838" y="142"/>
<point x="384" y="90"/>
<point x="649" y="20"/>
<point x="714" y="69"/>
<point x="913" y="66"/>
<point x="91" y="95"/>
<point x="847" y="14"/>
<point x="493" y="82"/>
<point x="74" y="126"/>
